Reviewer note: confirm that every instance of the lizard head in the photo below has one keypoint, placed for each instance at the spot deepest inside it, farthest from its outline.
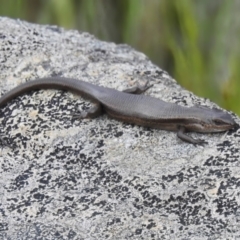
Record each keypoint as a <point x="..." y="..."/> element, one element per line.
<point x="213" y="120"/>
<point x="222" y="121"/>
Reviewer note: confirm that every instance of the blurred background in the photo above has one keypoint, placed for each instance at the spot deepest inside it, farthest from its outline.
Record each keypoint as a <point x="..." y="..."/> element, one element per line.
<point x="196" y="42"/>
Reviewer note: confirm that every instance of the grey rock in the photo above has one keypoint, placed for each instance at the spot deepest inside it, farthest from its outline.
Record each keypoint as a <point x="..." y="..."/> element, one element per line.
<point x="100" y="178"/>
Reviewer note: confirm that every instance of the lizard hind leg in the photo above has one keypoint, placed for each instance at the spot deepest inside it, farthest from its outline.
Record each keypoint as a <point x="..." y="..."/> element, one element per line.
<point x="95" y="111"/>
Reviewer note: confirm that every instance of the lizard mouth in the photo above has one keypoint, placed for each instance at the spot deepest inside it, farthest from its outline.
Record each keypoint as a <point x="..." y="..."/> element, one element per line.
<point x="223" y="125"/>
<point x="204" y="127"/>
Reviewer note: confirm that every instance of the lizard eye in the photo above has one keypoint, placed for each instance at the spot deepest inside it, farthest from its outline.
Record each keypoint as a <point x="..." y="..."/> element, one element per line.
<point x="218" y="122"/>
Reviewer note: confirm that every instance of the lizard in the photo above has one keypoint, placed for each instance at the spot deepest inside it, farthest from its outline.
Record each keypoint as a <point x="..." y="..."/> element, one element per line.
<point x="132" y="107"/>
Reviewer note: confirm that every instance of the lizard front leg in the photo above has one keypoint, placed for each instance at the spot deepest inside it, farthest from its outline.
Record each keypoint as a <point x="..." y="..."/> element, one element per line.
<point x="183" y="136"/>
<point x="138" y="89"/>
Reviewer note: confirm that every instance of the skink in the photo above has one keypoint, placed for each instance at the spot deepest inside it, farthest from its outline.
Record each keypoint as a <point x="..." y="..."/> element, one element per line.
<point x="129" y="106"/>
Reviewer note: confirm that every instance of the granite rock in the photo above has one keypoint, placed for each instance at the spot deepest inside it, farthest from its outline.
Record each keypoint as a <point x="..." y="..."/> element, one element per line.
<point x="102" y="179"/>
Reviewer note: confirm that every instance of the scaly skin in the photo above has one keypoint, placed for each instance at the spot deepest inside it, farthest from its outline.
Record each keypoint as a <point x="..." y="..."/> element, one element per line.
<point x="138" y="109"/>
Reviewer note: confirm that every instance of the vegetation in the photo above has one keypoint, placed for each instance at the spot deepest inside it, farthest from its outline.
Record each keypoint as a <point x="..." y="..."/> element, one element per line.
<point x="195" y="41"/>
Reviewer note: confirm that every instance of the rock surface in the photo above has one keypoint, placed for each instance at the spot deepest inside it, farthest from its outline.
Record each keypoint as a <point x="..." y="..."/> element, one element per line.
<point x="104" y="179"/>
